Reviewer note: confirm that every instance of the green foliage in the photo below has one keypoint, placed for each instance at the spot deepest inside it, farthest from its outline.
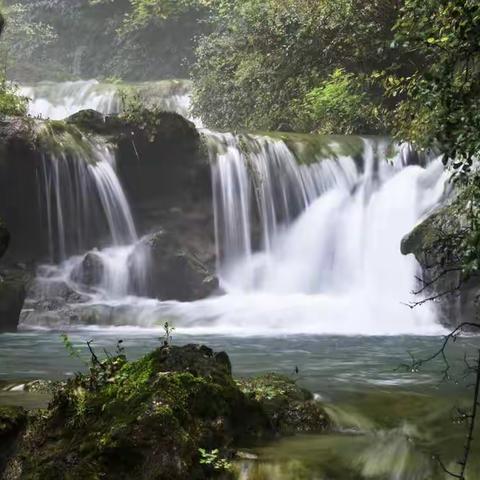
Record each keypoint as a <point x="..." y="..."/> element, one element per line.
<point x="23" y="35"/>
<point x="11" y="103"/>
<point x="440" y="98"/>
<point x="340" y="104"/>
<point x="212" y="459"/>
<point x="134" y="111"/>
<point x="264" y="57"/>
<point x="442" y="95"/>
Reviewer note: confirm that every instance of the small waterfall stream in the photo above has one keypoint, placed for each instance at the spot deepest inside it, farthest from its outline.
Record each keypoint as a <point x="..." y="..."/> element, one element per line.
<point x="305" y="243"/>
<point x="60" y="100"/>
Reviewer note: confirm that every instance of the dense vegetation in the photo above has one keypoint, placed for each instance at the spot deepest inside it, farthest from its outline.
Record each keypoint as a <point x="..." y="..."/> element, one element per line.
<point x="128" y="39"/>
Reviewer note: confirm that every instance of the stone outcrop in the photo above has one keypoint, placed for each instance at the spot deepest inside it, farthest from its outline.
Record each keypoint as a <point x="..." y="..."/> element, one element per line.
<point x="13" y="289"/>
<point x="437" y="245"/>
<point x="156" y="418"/>
<point x="175" y="269"/>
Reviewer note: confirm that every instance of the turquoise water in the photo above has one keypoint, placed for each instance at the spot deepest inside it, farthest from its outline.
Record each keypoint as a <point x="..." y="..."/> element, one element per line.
<point x="390" y="421"/>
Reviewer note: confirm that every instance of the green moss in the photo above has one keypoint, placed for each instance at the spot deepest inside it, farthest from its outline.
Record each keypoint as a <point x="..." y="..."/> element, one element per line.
<point x="12" y="419"/>
<point x="311" y="148"/>
<point x="149" y="418"/>
<point x="57" y="137"/>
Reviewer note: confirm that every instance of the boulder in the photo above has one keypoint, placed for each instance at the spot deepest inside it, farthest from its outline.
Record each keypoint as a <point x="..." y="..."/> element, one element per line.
<point x="4" y="238"/>
<point x="290" y="408"/>
<point x="165" y="269"/>
<point x="90" y="271"/>
<point x="436" y="243"/>
<point x="157" y="418"/>
<point x="13" y="288"/>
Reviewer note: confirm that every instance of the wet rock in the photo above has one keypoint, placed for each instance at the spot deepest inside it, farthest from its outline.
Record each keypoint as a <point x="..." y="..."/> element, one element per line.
<point x="4" y="238"/>
<point x="436" y="243"/>
<point x="290" y="408"/>
<point x="13" y="288"/>
<point x="170" y="271"/>
<point x="88" y="120"/>
<point x="90" y="271"/>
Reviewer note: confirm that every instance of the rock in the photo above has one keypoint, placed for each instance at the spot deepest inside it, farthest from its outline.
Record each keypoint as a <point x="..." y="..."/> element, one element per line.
<point x="4" y="238"/>
<point x="12" y="423"/>
<point x="289" y="407"/>
<point x="89" y="120"/>
<point x="163" y="268"/>
<point x="160" y="162"/>
<point x="90" y="271"/>
<point x="436" y="244"/>
<point x="13" y="288"/>
<point x="152" y="418"/>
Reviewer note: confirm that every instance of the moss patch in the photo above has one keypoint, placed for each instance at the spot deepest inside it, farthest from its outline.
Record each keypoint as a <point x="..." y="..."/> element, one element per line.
<point x="153" y="418"/>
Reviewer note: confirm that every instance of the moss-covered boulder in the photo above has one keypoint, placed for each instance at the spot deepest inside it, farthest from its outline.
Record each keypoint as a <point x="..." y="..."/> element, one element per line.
<point x="13" y="289"/>
<point x="156" y="418"/>
<point x="289" y="407"/>
<point x="437" y="243"/>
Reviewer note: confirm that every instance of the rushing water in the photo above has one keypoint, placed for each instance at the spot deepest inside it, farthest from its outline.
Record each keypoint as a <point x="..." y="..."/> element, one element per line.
<point x="60" y="100"/>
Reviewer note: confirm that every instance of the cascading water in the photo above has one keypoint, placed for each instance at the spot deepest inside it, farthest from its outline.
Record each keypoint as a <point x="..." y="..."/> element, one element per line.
<point x="60" y="100"/>
<point x="308" y="233"/>
<point x="84" y="205"/>
<point x="80" y="189"/>
<point x="329" y="235"/>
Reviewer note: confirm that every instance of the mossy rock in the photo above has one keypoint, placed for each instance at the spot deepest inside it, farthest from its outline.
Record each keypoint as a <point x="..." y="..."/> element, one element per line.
<point x="290" y="408"/>
<point x="149" y="419"/>
<point x="436" y="243"/>
<point x="12" y="420"/>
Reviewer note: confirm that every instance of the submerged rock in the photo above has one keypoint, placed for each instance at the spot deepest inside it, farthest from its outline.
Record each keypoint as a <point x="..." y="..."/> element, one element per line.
<point x="289" y="407"/>
<point x="157" y="418"/>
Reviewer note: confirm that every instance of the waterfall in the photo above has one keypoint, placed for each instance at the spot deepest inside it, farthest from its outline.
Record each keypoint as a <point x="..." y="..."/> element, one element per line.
<point x="59" y="100"/>
<point x="308" y="233"/>
<point x="90" y="226"/>
<point x="314" y="247"/>
<point x="81" y="192"/>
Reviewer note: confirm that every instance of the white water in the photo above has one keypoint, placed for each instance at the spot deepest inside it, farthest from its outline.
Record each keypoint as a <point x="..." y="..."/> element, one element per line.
<point x="336" y="268"/>
<point x="301" y="248"/>
<point x="60" y="100"/>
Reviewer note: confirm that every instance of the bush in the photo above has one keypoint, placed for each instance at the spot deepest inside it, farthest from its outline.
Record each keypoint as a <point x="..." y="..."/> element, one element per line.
<point x="11" y="104"/>
<point x="263" y="57"/>
<point x="340" y="105"/>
